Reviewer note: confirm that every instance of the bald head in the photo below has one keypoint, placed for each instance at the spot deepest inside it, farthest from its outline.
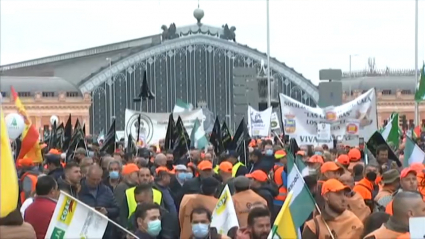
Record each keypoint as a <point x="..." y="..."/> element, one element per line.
<point x="160" y="160"/>
<point x="407" y="204"/>
<point x="347" y="180"/>
<point x="94" y="176"/>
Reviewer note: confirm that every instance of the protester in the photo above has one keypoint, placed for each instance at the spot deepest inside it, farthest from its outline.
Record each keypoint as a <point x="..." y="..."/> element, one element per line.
<point x="70" y="181"/>
<point x="40" y="212"/>
<point x="367" y="187"/>
<point x="373" y="222"/>
<point x="238" y="168"/>
<point x="13" y="226"/>
<point x="27" y="178"/>
<point x="390" y="184"/>
<point x="130" y="178"/>
<point x="181" y="176"/>
<point x="200" y="218"/>
<point x="382" y="158"/>
<point x="355" y="202"/>
<point x="259" y="184"/>
<point x="148" y="221"/>
<point x="259" y="225"/>
<point x="114" y="176"/>
<point x="225" y="172"/>
<point x="162" y="182"/>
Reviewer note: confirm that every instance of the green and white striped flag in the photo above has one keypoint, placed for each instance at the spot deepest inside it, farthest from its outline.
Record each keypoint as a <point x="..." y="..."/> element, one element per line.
<point x="412" y="153"/>
<point x="197" y="136"/>
<point x="391" y="132"/>
<point x="420" y="89"/>
<point x="182" y="106"/>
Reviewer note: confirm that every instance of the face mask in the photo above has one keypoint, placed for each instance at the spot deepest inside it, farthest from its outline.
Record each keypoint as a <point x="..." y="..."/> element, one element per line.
<point x="154" y="228"/>
<point x="269" y="152"/>
<point x="318" y="153"/>
<point x="200" y="230"/>
<point x="114" y="174"/>
<point x="371" y="176"/>
<point x="188" y="175"/>
<point x="181" y="176"/>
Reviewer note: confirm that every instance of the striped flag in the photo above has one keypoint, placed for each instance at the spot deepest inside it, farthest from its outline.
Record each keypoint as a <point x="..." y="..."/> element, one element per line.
<point x="391" y="132"/>
<point x="182" y="106"/>
<point x="197" y="136"/>
<point x="30" y="137"/>
<point x="412" y="153"/>
<point x="420" y="88"/>
<point x="298" y="205"/>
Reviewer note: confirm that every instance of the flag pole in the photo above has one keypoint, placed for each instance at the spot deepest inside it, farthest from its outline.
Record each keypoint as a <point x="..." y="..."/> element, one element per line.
<point x="269" y="96"/>
<point x="416" y="61"/>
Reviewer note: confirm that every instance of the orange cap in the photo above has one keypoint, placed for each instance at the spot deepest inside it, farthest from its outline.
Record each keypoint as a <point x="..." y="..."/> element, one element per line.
<point x="26" y="162"/>
<point x="315" y="159"/>
<point x="343" y="159"/>
<point x="406" y="171"/>
<point x="258" y="175"/>
<point x="226" y="167"/>
<point x="162" y="168"/>
<point x="301" y="152"/>
<point x="333" y="185"/>
<point x="329" y="166"/>
<point x="54" y="151"/>
<point x="205" y="165"/>
<point x="418" y="167"/>
<point x="129" y="168"/>
<point x="354" y="155"/>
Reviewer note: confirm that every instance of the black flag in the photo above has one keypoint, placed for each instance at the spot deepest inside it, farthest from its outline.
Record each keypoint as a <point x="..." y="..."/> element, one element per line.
<point x="170" y="136"/>
<point x="182" y="142"/>
<point x="215" y="137"/>
<point x="145" y="92"/>
<point x="241" y="140"/>
<point x="131" y="148"/>
<point x="226" y="137"/>
<point x="138" y="128"/>
<point x="67" y="134"/>
<point x="109" y="143"/>
<point x="375" y="140"/>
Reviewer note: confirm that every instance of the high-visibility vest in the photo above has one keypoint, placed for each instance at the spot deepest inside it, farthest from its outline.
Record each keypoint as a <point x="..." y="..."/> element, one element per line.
<point x="216" y="168"/>
<point x="131" y="201"/>
<point x="235" y="168"/>
<point x="277" y="178"/>
<point x="33" y="184"/>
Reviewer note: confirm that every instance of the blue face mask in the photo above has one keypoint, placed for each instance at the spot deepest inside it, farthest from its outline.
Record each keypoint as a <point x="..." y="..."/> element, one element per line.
<point x="114" y="174"/>
<point x="189" y="175"/>
<point x="269" y="152"/>
<point x="200" y="230"/>
<point x="318" y="153"/>
<point x="181" y="176"/>
<point x="154" y="228"/>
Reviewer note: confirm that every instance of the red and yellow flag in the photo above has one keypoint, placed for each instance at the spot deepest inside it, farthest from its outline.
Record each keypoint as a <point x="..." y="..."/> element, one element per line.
<point x="30" y="137"/>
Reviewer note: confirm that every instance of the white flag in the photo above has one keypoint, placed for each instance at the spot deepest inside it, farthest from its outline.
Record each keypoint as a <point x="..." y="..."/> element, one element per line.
<point x="224" y="215"/>
<point x="74" y="219"/>
<point x="259" y="122"/>
<point x="274" y="121"/>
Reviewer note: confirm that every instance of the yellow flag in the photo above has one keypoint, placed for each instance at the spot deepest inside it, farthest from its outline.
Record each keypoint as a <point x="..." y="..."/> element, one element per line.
<point x="9" y="179"/>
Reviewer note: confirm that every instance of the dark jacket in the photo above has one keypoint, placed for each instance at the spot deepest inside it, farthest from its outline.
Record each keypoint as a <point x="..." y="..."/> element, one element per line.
<point x="144" y="235"/>
<point x="167" y="198"/>
<point x="242" y="170"/>
<point x="65" y="186"/>
<point x="39" y="213"/>
<point x="56" y="173"/>
<point x="119" y="191"/>
<point x="221" y="187"/>
<point x="265" y="164"/>
<point x="268" y="192"/>
<point x="175" y="188"/>
<point x="104" y="198"/>
<point x="192" y="186"/>
<point x="169" y="225"/>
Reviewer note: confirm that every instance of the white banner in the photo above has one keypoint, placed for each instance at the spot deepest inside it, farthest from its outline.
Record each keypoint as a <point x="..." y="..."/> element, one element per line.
<point x="259" y="122"/>
<point x="74" y="219"/>
<point x="224" y="215"/>
<point x="300" y="121"/>
<point x="153" y="126"/>
<point x="274" y="121"/>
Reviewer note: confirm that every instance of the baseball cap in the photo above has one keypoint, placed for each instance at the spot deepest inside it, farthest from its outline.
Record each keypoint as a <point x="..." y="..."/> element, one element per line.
<point x="333" y="185"/>
<point x="52" y="158"/>
<point x="80" y="151"/>
<point x="354" y="155"/>
<point x="180" y="167"/>
<point x="258" y="175"/>
<point x="390" y="176"/>
<point x="418" y="167"/>
<point x="205" y="165"/>
<point x="241" y="182"/>
<point x="280" y="154"/>
<point x="406" y="171"/>
<point x="129" y="168"/>
<point x="226" y="167"/>
<point x="329" y="166"/>
<point x="315" y="159"/>
<point x="25" y="162"/>
<point x="161" y="169"/>
<point x="343" y="159"/>
<point x="301" y="152"/>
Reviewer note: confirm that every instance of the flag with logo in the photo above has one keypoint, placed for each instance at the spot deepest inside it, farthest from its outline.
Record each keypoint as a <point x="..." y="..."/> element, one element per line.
<point x="224" y="215"/>
<point x="30" y="147"/>
<point x="391" y="131"/>
<point x="74" y="219"/>
<point x="182" y="106"/>
<point x="259" y="122"/>
<point x="420" y="89"/>
<point x="197" y="136"/>
<point x="274" y="121"/>
<point x="412" y="153"/>
<point x="298" y="205"/>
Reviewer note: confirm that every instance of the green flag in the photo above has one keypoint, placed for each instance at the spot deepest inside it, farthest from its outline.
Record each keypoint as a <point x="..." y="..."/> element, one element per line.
<point x="391" y="132"/>
<point x="197" y="136"/>
<point x="420" y="89"/>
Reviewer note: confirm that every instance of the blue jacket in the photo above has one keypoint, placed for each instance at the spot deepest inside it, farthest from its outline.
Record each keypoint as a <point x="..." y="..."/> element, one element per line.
<point x="104" y="198"/>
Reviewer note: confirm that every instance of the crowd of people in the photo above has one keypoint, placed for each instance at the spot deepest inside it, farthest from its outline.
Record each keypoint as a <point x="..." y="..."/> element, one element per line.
<point x="157" y="196"/>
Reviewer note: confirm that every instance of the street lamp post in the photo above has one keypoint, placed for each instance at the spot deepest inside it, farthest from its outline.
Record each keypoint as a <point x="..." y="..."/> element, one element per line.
<point x="416" y="61"/>
<point x="269" y="93"/>
<point x="110" y="90"/>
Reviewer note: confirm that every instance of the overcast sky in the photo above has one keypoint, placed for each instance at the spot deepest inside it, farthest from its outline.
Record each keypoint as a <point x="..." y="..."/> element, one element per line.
<point x="307" y="35"/>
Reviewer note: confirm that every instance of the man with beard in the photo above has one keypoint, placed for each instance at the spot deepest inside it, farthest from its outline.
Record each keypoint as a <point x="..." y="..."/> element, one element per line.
<point x="341" y="222"/>
<point x="259" y="225"/>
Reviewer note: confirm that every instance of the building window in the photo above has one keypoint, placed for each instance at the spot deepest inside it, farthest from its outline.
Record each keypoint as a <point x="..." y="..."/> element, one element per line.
<point x="24" y="94"/>
<point x="406" y="92"/>
<point x="3" y="94"/>
<point x="386" y="92"/>
<point x="72" y="94"/>
<point x="48" y="94"/>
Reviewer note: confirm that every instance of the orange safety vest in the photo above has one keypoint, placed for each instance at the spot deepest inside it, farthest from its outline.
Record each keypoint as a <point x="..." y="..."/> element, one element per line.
<point x="34" y="182"/>
<point x="277" y="178"/>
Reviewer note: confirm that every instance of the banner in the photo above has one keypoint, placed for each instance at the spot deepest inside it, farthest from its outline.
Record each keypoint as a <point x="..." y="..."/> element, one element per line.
<point x="153" y="126"/>
<point x="74" y="219"/>
<point x="259" y="122"/>
<point x="274" y="121"/>
<point x="224" y="215"/>
<point x="300" y="121"/>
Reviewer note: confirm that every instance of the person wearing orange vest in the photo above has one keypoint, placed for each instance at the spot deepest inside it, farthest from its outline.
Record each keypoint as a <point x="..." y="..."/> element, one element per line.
<point x="28" y="178"/>
<point x="279" y="177"/>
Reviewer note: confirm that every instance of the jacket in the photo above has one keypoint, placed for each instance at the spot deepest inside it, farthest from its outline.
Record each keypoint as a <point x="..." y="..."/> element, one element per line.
<point x="104" y="198"/>
<point x="167" y="198"/>
<point x="27" y="182"/>
<point x="169" y="223"/>
<point x="192" y="186"/>
<point x="18" y="232"/>
<point x="389" y="230"/>
<point x="119" y="191"/>
<point x="65" y="186"/>
<point x="356" y="204"/>
<point x="39" y="213"/>
<point x="268" y="192"/>
<point x="56" y="173"/>
<point x="243" y="202"/>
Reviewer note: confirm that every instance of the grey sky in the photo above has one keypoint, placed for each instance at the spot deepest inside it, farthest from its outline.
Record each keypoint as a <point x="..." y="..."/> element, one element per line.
<point x="307" y="35"/>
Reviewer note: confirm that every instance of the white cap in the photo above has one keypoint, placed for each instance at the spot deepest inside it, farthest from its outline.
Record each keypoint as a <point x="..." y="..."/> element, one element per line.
<point x="180" y="167"/>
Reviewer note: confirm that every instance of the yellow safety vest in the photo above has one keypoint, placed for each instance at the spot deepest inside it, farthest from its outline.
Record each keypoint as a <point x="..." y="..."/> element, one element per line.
<point x="235" y="168"/>
<point x="131" y="201"/>
<point x="216" y="168"/>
